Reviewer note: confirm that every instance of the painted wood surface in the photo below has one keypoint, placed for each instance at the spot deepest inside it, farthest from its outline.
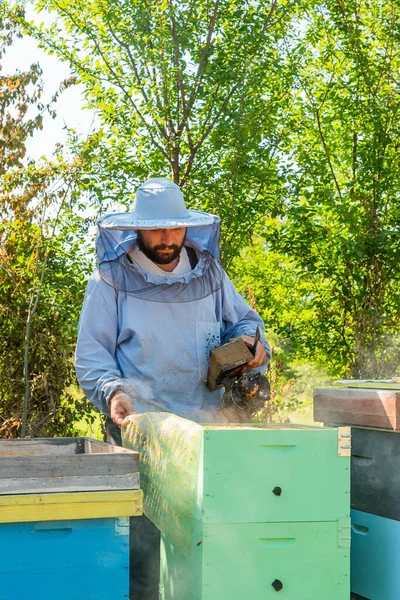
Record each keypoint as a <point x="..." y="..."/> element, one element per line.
<point x="67" y="560"/>
<point x="381" y="384"/>
<point x="76" y="464"/>
<point x="239" y="474"/>
<point x="375" y="556"/>
<point x="70" y="464"/>
<point x="254" y="561"/>
<point x="79" y="483"/>
<point x="375" y="472"/>
<point x="59" y="507"/>
<point x="272" y="474"/>
<point x="262" y="493"/>
<point x="362" y="407"/>
<point x="93" y="446"/>
<point x="56" y="446"/>
<point x="39" y="447"/>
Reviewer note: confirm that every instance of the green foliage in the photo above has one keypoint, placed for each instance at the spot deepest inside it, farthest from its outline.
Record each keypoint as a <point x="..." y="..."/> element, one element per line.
<point x="91" y="424"/>
<point x="299" y="306"/>
<point x="42" y="270"/>
<point x="342" y="221"/>
<point x="292" y="383"/>
<point x="281" y="117"/>
<point x="39" y="264"/>
<point x="327" y="275"/>
<point x="279" y="290"/>
<point x="17" y="93"/>
<point x="261" y="109"/>
<point x="183" y="89"/>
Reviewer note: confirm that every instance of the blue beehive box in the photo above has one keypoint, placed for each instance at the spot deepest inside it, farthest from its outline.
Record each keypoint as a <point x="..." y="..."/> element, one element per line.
<point x="375" y="556"/>
<point x="75" y="559"/>
<point x="69" y="538"/>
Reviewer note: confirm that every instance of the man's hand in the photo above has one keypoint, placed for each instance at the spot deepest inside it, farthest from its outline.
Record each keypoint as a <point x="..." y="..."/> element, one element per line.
<point x="260" y="357"/>
<point x="121" y="405"/>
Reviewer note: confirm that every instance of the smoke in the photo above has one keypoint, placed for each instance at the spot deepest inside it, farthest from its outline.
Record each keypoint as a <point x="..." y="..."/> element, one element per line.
<point x="378" y="360"/>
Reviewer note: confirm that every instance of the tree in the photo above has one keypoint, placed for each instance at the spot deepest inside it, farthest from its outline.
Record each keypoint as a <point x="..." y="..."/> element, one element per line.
<point x="342" y="222"/>
<point x="260" y="109"/>
<point x="42" y="266"/>
<point x="191" y="90"/>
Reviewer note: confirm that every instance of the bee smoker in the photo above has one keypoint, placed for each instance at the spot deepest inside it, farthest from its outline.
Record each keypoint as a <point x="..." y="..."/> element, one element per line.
<point x="245" y="391"/>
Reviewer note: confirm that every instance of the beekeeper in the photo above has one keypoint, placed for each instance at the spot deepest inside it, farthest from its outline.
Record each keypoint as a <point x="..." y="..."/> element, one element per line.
<point x="157" y="304"/>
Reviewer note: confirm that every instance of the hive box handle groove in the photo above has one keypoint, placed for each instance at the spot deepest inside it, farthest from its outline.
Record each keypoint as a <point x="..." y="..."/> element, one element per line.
<point x="363" y="460"/>
<point x="360" y="529"/>
<point x="278" y="448"/>
<point x="54" y="532"/>
<point x="277" y="542"/>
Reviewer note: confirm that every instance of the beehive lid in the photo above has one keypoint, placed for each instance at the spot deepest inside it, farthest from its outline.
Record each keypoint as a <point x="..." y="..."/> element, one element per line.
<point x="376" y="408"/>
<point x="79" y="464"/>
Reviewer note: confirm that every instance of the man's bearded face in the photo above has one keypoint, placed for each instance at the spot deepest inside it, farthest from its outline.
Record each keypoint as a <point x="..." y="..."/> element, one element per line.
<point x="162" y="246"/>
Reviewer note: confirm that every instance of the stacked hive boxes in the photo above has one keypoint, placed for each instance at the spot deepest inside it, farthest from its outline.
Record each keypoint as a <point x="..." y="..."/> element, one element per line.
<point x="375" y="492"/>
<point x="64" y="519"/>
<point x="269" y="519"/>
<point x="272" y="517"/>
<point x="375" y="484"/>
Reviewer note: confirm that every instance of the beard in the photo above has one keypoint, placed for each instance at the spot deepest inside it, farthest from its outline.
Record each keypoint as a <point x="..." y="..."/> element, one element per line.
<point x="155" y="254"/>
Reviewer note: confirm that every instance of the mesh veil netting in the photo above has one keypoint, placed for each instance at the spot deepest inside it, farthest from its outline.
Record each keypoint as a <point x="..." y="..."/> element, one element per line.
<point x="113" y="242"/>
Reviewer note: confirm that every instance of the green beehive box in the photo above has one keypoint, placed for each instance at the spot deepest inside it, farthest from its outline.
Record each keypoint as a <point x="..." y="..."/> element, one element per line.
<point x="273" y="473"/>
<point x="254" y="561"/>
<point x="246" y="511"/>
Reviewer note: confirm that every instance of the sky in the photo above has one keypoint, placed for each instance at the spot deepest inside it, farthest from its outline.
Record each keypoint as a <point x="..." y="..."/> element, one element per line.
<point x="70" y="106"/>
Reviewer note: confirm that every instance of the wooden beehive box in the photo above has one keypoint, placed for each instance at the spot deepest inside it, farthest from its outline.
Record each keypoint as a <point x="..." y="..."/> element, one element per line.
<point x="375" y="463"/>
<point x="271" y="516"/>
<point x="48" y="465"/>
<point x="356" y="406"/>
<point x="375" y="557"/>
<point x="65" y="506"/>
<point x="235" y="561"/>
<point x="273" y="473"/>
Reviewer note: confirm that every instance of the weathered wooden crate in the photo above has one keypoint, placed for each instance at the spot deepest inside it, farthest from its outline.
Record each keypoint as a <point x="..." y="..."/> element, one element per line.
<point x="65" y="464"/>
<point x="375" y="556"/>
<point x="354" y="406"/>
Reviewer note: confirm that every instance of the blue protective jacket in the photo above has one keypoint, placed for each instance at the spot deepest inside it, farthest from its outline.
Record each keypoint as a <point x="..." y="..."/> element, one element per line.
<point x="157" y="351"/>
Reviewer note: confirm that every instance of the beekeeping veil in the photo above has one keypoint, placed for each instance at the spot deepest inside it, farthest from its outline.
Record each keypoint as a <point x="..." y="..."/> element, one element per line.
<point x="159" y="204"/>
